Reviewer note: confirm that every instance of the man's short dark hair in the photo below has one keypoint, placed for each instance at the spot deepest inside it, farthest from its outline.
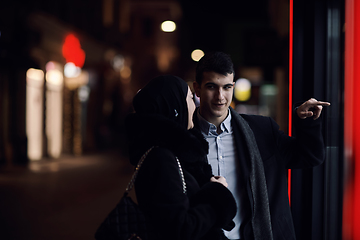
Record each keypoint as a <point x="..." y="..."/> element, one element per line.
<point x="218" y="62"/>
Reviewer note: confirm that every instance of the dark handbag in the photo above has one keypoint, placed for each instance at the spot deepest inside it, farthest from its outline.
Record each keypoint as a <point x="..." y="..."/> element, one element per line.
<point x="125" y="221"/>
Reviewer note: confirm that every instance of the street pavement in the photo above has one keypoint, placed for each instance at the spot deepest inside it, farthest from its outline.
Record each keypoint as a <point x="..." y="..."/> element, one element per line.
<point x="65" y="198"/>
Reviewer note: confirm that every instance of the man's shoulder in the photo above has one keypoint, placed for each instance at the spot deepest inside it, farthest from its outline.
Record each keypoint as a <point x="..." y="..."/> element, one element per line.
<point x="250" y="117"/>
<point x="258" y="123"/>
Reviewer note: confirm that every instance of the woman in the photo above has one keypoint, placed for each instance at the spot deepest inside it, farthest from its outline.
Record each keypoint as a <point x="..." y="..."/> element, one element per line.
<point x="197" y="208"/>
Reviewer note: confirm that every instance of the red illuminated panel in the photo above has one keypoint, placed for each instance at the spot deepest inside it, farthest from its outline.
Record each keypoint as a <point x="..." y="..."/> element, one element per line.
<point x="72" y="51"/>
<point x="356" y="120"/>
<point x="351" y="207"/>
<point x="290" y="81"/>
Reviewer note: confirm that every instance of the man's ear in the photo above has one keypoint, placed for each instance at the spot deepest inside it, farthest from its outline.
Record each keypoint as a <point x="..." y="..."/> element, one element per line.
<point x="197" y="88"/>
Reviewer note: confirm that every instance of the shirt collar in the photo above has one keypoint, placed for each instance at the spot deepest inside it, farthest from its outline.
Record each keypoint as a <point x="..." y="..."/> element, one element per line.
<point x="207" y="127"/>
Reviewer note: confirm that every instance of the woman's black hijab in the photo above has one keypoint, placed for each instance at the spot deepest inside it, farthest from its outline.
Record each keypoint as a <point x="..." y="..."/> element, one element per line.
<point x="164" y="95"/>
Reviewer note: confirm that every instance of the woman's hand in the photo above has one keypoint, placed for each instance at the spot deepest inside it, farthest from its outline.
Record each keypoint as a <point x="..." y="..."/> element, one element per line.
<point x="219" y="179"/>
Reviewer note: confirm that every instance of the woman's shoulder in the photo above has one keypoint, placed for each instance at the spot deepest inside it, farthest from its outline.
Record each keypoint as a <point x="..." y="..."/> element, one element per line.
<point x="160" y="160"/>
<point x="159" y="150"/>
<point x="159" y="154"/>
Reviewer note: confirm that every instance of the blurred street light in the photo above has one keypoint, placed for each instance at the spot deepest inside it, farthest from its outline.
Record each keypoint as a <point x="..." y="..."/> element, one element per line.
<point x="72" y="51"/>
<point x="71" y="70"/>
<point x="242" y="89"/>
<point x="197" y="54"/>
<point x="168" y="26"/>
<point x="34" y="110"/>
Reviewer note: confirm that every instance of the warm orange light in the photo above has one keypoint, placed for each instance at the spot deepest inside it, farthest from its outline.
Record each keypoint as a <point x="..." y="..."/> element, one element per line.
<point x="54" y="77"/>
<point x="53" y="110"/>
<point x="34" y="111"/>
<point x="168" y="26"/>
<point x="75" y="82"/>
<point x="35" y="75"/>
<point x="72" y="51"/>
<point x="197" y="54"/>
<point x="125" y="72"/>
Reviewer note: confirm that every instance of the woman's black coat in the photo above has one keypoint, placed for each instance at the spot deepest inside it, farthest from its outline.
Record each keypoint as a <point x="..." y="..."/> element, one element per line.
<point x="205" y="208"/>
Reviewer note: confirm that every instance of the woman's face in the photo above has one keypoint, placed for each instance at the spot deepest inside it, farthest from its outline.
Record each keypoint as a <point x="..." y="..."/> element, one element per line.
<point x="191" y="108"/>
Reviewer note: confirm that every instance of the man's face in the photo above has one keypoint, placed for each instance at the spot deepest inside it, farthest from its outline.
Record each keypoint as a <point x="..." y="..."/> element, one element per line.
<point x="215" y="93"/>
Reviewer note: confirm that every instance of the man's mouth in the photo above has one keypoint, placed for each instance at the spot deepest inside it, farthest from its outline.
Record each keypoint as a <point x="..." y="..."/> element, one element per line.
<point x="219" y="105"/>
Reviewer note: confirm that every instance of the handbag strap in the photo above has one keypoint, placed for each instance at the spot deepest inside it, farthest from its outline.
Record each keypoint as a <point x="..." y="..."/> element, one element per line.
<point x="182" y="176"/>
<point x="132" y="181"/>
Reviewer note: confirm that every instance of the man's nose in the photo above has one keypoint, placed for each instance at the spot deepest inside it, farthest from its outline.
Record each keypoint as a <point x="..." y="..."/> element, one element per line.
<point x="219" y="94"/>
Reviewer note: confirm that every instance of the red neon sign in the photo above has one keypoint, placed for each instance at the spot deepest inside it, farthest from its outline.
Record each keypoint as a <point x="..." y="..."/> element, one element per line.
<point x="351" y="208"/>
<point x="291" y="16"/>
<point x="72" y="51"/>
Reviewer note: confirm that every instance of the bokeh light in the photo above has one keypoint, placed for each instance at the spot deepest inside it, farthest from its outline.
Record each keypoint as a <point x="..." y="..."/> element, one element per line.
<point x="35" y="74"/>
<point x="71" y="70"/>
<point x="72" y="51"/>
<point x="242" y="89"/>
<point x="197" y="54"/>
<point x="55" y="77"/>
<point x="34" y="112"/>
<point x="118" y="62"/>
<point x="125" y="72"/>
<point x="168" y="26"/>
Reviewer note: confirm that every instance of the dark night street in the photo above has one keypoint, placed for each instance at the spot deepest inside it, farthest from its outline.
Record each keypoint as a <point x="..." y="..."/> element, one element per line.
<point x="65" y="198"/>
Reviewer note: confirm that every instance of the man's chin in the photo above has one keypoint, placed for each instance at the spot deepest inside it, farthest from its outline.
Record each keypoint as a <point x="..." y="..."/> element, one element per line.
<point x="219" y="113"/>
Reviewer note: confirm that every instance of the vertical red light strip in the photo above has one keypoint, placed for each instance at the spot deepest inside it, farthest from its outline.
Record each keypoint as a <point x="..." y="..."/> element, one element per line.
<point x="290" y="82"/>
<point x="351" y="206"/>
<point x="348" y="120"/>
<point x="356" y="119"/>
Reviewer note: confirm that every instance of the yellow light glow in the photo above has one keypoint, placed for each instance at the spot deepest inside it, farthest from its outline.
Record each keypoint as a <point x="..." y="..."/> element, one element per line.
<point x="34" y="111"/>
<point x="125" y="72"/>
<point x="197" y="54"/>
<point x="54" y="122"/>
<point x="242" y="90"/>
<point x="55" y="77"/>
<point x="75" y="82"/>
<point x="168" y="26"/>
<point x="35" y="74"/>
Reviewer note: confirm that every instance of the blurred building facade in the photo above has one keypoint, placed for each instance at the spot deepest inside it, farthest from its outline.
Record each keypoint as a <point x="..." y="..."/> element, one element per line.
<point x="117" y="46"/>
<point x="122" y="47"/>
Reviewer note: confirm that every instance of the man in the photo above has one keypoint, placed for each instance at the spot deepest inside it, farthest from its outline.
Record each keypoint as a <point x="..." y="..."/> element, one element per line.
<point x="252" y="153"/>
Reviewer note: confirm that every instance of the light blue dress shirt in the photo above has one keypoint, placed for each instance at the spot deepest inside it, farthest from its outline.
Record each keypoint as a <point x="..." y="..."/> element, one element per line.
<point x="223" y="160"/>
